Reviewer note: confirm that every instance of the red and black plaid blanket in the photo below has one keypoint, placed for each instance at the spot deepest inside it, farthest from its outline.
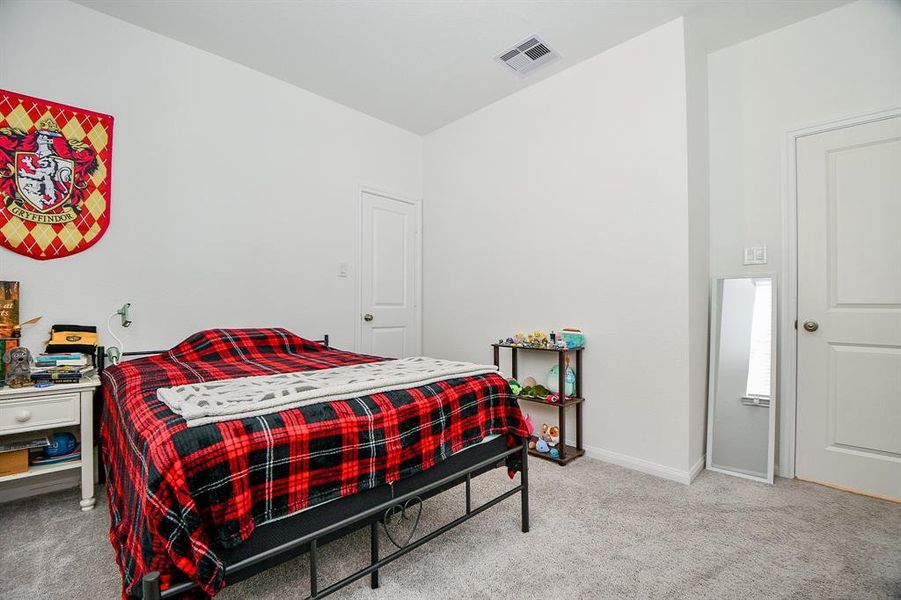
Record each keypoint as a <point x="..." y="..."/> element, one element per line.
<point x="177" y="493"/>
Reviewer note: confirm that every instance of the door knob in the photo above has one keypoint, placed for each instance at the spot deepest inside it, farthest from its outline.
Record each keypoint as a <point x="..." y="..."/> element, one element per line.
<point x="23" y="416"/>
<point x="367" y="317"/>
<point x="811" y="326"/>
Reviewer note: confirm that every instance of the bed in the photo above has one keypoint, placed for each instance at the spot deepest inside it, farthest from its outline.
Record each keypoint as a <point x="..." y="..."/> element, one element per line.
<point x="196" y="508"/>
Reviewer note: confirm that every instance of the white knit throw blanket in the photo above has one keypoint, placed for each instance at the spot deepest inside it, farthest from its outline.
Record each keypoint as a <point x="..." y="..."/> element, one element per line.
<point x="227" y="399"/>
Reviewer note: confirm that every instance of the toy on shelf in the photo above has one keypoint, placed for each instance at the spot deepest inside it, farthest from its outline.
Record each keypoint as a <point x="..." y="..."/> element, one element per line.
<point x="547" y="440"/>
<point x="535" y="391"/>
<point x="567" y="338"/>
<point x="573" y="338"/>
<point x="515" y="386"/>
<point x="553" y="435"/>
<point x="553" y="379"/>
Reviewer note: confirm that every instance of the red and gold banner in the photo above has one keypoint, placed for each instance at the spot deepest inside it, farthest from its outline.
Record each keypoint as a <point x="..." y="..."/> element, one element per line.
<point x="55" y="176"/>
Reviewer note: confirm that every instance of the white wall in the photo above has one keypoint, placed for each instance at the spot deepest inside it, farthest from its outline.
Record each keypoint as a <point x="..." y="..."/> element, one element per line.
<point x="839" y="64"/>
<point x="566" y="204"/>
<point x="698" y="236"/>
<point x="233" y="193"/>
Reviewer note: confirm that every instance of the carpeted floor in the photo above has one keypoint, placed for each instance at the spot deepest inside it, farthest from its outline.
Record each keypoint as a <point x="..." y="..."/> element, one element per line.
<point x="598" y="531"/>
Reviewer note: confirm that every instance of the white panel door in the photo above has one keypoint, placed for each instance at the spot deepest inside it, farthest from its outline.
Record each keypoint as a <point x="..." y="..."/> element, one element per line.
<point x="390" y="314"/>
<point x="849" y="307"/>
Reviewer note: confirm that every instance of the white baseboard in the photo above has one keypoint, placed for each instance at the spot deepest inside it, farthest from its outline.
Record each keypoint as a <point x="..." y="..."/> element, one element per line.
<point x="646" y="466"/>
<point x="697" y="468"/>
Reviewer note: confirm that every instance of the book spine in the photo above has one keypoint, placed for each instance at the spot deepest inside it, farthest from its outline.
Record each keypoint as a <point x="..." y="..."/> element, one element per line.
<point x="57" y="377"/>
<point x="60" y="363"/>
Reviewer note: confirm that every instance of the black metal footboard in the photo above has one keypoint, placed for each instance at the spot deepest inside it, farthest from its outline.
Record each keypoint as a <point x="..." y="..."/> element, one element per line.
<point x="376" y="514"/>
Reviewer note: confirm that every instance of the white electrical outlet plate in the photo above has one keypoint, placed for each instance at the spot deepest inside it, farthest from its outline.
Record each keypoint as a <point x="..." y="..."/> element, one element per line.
<point x="342" y="269"/>
<point x="755" y="255"/>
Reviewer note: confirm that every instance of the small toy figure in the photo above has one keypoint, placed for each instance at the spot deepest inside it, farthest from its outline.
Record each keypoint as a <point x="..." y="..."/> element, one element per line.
<point x="519" y="338"/>
<point x="541" y="442"/>
<point x="548" y="439"/>
<point x="553" y="435"/>
<point x="555" y="453"/>
<point x="538" y="339"/>
<point x="515" y="387"/>
<point x="18" y="370"/>
<point x="529" y="382"/>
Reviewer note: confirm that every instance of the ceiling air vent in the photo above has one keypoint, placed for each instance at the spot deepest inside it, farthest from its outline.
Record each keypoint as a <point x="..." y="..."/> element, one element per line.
<point x="527" y="56"/>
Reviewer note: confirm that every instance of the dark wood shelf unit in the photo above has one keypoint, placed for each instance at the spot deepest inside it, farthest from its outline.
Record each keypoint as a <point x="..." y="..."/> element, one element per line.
<point x="571" y="454"/>
<point x="567" y="453"/>
<point x="539" y="348"/>
<point x="567" y="402"/>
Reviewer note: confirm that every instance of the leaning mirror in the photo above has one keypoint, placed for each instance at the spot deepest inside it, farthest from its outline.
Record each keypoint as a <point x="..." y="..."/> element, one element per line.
<point x="741" y="408"/>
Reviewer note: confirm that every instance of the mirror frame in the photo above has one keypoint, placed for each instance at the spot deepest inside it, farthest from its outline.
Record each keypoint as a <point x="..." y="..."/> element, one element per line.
<point x="712" y="361"/>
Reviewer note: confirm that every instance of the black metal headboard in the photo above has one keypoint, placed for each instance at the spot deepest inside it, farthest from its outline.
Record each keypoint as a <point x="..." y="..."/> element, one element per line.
<point x="100" y="358"/>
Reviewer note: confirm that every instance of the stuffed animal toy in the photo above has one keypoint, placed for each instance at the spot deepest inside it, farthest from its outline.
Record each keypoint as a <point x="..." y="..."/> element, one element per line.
<point x="542" y="444"/>
<point x="553" y="435"/>
<point x="529" y="426"/>
<point x="515" y="387"/>
<point x="18" y="367"/>
<point x="539" y="439"/>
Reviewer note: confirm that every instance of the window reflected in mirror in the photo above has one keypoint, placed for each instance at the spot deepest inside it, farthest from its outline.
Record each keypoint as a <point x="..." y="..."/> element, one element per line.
<point x="760" y="353"/>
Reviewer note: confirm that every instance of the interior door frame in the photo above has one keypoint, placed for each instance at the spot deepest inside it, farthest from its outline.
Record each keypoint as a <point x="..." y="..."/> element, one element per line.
<point x="358" y="259"/>
<point x="788" y="318"/>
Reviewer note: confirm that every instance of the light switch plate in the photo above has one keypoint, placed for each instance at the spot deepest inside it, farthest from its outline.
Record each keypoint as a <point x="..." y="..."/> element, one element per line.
<point x="342" y="269"/>
<point x="755" y="255"/>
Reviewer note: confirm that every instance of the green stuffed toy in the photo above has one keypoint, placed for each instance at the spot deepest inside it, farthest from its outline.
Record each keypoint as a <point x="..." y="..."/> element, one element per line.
<point x="536" y="391"/>
<point x="515" y="387"/>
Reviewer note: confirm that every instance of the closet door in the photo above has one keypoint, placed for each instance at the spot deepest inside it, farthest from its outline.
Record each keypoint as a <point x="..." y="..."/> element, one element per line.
<point x="849" y="308"/>
<point x="389" y="292"/>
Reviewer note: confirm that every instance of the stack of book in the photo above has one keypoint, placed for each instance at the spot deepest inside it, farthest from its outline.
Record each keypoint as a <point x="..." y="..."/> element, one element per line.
<point x="62" y="368"/>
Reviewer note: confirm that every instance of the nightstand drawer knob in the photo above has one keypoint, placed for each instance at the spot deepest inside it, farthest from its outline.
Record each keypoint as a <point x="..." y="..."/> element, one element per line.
<point x="23" y="416"/>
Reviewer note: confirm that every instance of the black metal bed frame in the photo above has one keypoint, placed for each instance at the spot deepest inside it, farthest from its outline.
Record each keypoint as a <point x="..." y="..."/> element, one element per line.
<point x="380" y="513"/>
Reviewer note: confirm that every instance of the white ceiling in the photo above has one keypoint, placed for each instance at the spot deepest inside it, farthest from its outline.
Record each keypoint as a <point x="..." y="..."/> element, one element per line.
<point x="422" y="64"/>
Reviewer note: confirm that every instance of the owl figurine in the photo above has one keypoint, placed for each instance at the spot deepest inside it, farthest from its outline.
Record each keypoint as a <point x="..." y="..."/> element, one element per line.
<point x="18" y="367"/>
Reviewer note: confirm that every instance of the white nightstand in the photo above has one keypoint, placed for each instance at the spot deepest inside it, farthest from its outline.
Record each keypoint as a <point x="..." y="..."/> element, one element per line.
<point x="63" y="405"/>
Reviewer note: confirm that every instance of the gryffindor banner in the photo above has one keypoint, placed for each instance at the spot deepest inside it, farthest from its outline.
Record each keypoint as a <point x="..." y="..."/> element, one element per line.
<point x="55" y="175"/>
